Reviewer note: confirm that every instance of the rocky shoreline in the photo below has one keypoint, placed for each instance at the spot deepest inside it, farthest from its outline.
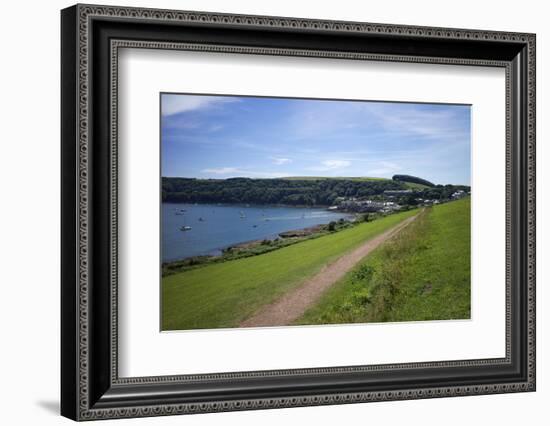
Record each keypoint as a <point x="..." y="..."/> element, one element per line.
<point x="255" y="247"/>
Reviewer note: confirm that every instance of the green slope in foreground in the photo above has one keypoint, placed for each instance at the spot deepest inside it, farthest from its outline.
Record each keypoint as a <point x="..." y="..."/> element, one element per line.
<point x="224" y="294"/>
<point x="421" y="274"/>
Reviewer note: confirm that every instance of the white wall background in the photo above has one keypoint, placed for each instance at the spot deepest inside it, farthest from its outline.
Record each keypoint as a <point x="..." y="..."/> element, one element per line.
<point x="29" y="213"/>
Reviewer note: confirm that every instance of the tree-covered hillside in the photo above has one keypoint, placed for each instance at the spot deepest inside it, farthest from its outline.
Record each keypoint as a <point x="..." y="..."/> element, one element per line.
<point x="270" y="191"/>
<point x="306" y="192"/>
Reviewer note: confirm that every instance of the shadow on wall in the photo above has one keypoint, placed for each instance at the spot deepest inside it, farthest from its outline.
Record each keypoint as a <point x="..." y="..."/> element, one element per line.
<point x="50" y="406"/>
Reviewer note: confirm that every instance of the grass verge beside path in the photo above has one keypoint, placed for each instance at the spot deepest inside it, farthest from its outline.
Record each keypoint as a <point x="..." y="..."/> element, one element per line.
<point x="224" y="294"/>
<point x="423" y="273"/>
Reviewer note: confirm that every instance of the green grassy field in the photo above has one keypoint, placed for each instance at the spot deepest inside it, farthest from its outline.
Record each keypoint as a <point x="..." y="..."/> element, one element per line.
<point x="411" y="185"/>
<point x="224" y="294"/>
<point x="421" y="274"/>
<point x="355" y="179"/>
<point x="414" y="185"/>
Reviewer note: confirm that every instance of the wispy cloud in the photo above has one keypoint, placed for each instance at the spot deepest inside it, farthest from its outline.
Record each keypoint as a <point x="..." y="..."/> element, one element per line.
<point x="427" y="122"/>
<point x="175" y="104"/>
<point x="279" y="161"/>
<point x="221" y="170"/>
<point x="328" y="165"/>
<point x="386" y="168"/>
<point x="336" y="164"/>
<point x="378" y="120"/>
<point x="322" y="119"/>
<point x="215" y="128"/>
<point x="238" y="172"/>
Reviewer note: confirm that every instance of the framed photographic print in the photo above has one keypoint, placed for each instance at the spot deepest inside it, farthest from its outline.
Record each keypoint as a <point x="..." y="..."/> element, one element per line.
<point x="263" y="212"/>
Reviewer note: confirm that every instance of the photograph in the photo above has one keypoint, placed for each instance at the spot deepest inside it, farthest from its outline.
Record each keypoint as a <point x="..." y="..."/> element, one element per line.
<point x="288" y="211"/>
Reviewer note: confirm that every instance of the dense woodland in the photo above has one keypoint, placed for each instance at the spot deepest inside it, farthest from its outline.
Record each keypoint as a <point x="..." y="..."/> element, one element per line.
<point x="306" y="192"/>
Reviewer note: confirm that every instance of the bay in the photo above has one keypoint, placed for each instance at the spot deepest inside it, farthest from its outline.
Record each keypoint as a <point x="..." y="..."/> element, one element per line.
<point x="214" y="227"/>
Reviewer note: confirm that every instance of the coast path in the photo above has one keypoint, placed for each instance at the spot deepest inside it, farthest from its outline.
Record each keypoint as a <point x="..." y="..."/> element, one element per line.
<point x="292" y="305"/>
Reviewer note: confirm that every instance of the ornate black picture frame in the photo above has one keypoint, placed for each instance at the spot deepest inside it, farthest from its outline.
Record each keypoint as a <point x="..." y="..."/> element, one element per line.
<point x="91" y="36"/>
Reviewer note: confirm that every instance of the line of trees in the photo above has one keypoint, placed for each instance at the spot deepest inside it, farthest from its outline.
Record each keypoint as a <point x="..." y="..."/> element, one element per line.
<point x="323" y="192"/>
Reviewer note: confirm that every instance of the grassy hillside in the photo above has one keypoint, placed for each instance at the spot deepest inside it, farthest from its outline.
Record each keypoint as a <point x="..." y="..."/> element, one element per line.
<point x="224" y="294"/>
<point x="412" y="179"/>
<point x="415" y="186"/>
<point x="353" y="179"/>
<point x="421" y="274"/>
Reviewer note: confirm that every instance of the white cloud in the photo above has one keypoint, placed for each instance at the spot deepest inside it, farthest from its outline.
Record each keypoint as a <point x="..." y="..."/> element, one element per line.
<point x="415" y="120"/>
<point x="175" y="104"/>
<point x="227" y="172"/>
<point x="215" y="128"/>
<point x="221" y="171"/>
<point x="280" y="161"/>
<point x="386" y="168"/>
<point x="336" y="164"/>
<point x="328" y="165"/>
<point x="333" y="119"/>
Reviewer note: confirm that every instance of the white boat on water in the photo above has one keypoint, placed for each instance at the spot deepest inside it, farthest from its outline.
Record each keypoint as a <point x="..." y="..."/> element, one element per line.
<point x="185" y="228"/>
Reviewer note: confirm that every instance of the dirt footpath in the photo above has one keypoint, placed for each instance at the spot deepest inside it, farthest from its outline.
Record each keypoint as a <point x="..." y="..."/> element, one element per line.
<point x="292" y="305"/>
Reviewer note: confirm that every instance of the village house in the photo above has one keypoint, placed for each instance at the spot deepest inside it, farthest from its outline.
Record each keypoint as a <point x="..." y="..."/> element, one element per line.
<point x="366" y="206"/>
<point x="458" y="194"/>
<point x="397" y="192"/>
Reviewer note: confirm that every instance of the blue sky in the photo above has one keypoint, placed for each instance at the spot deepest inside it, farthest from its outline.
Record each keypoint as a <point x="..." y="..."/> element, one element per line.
<point x="230" y="136"/>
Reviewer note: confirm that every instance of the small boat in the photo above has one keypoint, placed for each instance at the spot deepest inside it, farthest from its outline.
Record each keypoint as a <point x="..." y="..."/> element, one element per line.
<point x="201" y="219"/>
<point x="185" y="228"/>
<point x="242" y="215"/>
<point x="254" y="226"/>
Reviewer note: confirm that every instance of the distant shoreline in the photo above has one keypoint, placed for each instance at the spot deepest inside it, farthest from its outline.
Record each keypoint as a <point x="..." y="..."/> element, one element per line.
<point x="221" y="203"/>
<point x="284" y="237"/>
<point x="300" y="233"/>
